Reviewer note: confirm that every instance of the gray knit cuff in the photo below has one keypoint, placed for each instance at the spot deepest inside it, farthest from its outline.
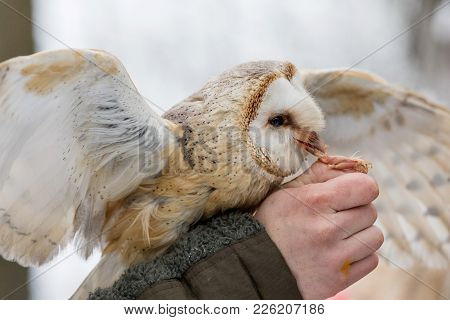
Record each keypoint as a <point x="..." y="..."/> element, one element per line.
<point x="204" y="240"/>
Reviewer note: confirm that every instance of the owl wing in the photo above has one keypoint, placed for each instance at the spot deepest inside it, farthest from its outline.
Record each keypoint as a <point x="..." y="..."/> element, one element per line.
<point x="74" y="134"/>
<point x="407" y="138"/>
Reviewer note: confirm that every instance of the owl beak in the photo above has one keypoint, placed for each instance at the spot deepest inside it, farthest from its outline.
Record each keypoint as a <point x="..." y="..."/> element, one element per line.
<point x="312" y="144"/>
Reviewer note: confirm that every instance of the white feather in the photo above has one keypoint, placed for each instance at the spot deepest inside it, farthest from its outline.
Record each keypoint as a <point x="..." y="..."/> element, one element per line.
<point x="74" y="134"/>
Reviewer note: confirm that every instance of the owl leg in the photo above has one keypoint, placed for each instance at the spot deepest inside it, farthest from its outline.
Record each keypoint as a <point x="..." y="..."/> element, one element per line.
<point x="346" y="164"/>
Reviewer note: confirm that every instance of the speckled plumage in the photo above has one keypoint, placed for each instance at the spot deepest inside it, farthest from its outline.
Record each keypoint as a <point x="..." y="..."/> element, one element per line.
<point x="214" y="167"/>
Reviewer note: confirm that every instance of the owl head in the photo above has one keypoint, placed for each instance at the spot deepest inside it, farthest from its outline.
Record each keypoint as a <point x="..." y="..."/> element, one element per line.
<point x="277" y="116"/>
<point x="257" y="113"/>
<point x="282" y="120"/>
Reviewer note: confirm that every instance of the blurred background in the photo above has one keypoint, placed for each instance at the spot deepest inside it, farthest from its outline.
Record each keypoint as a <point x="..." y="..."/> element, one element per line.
<point x="171" y="48"/>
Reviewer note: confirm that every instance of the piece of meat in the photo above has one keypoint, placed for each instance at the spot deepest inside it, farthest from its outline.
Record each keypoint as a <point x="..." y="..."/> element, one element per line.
<point x="345" y="163"/>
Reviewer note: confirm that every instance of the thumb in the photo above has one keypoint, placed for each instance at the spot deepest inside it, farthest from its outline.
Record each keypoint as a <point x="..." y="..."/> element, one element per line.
<point x="317" y="173"/>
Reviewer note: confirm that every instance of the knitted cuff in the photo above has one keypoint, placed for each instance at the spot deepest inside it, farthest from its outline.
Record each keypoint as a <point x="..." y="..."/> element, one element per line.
<point x="202" y="241"/>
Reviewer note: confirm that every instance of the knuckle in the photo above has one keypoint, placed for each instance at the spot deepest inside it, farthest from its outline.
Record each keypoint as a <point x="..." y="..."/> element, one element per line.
<point x="379" y="237"/>
<point x="317" y="198"/>
<point x="326" y="232"/>
<point x="373" y="262"/>
<point x="372" y="212"/>
<point x="372" y="187"/>
<point x="367" y="183"/>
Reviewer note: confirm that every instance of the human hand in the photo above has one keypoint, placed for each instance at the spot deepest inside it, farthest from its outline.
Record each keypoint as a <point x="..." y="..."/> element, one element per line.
<point x="322" y="223"/>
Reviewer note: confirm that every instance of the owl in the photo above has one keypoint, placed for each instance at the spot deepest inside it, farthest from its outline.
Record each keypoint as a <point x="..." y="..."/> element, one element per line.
<point x="85" y="158"/>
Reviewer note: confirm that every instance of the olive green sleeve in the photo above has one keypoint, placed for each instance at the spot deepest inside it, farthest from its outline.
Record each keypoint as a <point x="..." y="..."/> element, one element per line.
<point x="226" y="257"/>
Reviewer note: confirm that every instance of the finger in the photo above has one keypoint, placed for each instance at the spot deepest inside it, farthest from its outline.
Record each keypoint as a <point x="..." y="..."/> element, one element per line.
<point x="354" y="220"/>
<point x="357" y="270"/>
<point x="317" y="173"/>
<point x="345" y="191"/>
<point x="362" y="244"/>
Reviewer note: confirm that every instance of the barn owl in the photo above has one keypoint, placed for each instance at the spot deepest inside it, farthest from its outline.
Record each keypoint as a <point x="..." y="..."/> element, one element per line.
<point x="86" y="158"/>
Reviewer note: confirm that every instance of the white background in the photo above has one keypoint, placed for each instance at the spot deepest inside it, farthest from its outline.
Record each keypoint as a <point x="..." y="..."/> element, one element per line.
<point x="111" y="310"/>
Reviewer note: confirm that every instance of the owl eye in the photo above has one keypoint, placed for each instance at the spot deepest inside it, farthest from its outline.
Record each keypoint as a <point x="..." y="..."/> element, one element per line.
<point x="277" y="121"/>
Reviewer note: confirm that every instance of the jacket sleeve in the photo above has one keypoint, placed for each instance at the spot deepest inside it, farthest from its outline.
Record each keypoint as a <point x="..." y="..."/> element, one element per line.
<point x="227" y="257"/>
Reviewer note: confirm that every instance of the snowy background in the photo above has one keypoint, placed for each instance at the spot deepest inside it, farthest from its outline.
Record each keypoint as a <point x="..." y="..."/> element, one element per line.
<point x="171" y="48"/>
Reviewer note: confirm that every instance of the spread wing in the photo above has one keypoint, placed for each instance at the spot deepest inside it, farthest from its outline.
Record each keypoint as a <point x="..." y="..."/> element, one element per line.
<point x="74" y="134"/>
<point x="407" y="138"/>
